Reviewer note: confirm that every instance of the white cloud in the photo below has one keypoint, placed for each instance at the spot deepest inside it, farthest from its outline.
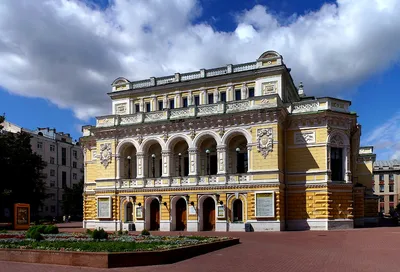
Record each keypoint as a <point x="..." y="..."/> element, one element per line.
<point x="69" y="53"/>
<point x="386" y="139"/>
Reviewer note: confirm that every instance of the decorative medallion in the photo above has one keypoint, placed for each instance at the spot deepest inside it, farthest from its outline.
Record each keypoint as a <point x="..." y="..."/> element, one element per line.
<point x="105" y="154"/>
<point x="269" y="87"/>
<point x="120" y="108"/>
<point x="264" y="141"/>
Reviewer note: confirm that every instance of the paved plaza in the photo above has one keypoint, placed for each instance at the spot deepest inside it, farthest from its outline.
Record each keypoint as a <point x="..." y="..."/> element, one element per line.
<point x="375" y="249"/>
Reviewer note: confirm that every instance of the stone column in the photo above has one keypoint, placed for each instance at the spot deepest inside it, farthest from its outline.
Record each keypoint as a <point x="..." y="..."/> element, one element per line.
<point x="249" y="160"/>
<point x="244" y="91"/>
<point x="203" y="98"/>
<point x="222" y="158"/>
<point x="166" y="162"/>
<point x="165" y="102"/>
<point x="229" y="93"/>
<point x="216" y="96"/>
<point x="178" y="100"/>
<point x="347" y="177"/>
<point x="153" y="106"/>
<point x="140" y="164"/>
<point x="193" y="161"/>
<point x="141" y="105"/>
<point x="118" y="166"/>
<point x="190" y="98"/>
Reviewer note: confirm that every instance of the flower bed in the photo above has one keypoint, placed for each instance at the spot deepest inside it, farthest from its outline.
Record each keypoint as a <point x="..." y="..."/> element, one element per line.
<point x="116" y="251"/>
<point x="115" y="243"/>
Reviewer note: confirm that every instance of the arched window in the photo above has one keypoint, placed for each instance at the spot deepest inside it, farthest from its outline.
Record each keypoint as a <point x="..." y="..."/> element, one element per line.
<point x="338" y="157"/>
<point x="237" y="208"/>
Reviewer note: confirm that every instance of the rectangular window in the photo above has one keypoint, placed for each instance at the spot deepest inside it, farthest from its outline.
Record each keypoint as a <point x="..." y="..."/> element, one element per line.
<point x="391" y="177"/>
<point x="238" y="95"/>
<point x="197" y="100"/>
<point x="53" y="208"/>
<point x="184" y="102"/>
<point x="148" y="107"/>
<point x="223" y="96"/>
<point x="381" y="198"/>
<point x="381" y="188"/>
<point x="75" y="154"/>
<point x="171" y="104"/>
<point x="52" y="183"/>
<point x="381" y="177"/>
<point x="210" y="98"/>
<point x="52" y="160"/>
<point x="251" y="92"/>
<point x="337" y="164"/>
<point x="160" y="105"/>
<point x="63" y="156"/>
<point x="137" y="108"/>
<point x="391" y="188"/>
<point x="52" y="148"/>
<point x="74" y="176"/>
<point x="39" y="145"/>
<point x="74" y="164"/>
<point x="391" y="198"/>
<point x="52" y="172"/>
<point x="64" y="179"/>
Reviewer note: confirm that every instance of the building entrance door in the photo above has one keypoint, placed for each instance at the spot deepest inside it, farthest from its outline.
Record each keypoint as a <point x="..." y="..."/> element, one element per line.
<point x="181" y="214"/>
<point x="155" y="215"/>
<point x="208" y="214"/>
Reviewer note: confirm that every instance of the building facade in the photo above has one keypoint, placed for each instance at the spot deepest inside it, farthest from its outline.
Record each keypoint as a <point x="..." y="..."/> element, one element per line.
<point x="218" y="148"/>
<point x="386" y="184"/>
<point x="64" y="163"/>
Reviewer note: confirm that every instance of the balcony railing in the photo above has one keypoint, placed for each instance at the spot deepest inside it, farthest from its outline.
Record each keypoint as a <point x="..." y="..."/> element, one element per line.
<point x="175" y="181"/>
<point x="258" y="102"/>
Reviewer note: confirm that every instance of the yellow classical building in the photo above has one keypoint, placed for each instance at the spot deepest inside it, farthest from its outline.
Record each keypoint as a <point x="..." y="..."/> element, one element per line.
<point x="227" y="149"/>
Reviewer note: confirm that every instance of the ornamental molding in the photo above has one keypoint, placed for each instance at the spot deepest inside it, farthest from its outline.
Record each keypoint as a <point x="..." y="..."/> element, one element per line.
<point x="304" y="137"/>
<point x="120" y="108"/>
<point x="264" y="141"/>
<point x="105" y="154"/>
<point x="270" y="87"/>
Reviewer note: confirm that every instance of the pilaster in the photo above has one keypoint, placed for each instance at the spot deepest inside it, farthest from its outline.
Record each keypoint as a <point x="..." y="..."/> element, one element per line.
<point x="140" y="164"/>
<point x="221" y="152"/>
<point x="193" y="160"/>
<point x="166" y="158"/>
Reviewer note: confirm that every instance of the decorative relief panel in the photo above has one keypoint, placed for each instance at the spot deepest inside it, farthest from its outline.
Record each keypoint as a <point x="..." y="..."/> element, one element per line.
<point x="304" y="137"/>
<point x="120" y="108"/>
<point x="264" y="141"/>
<point x="305" y="107"/>
<point x="125" y="120"/>
<point x="269" y="87"/>
<point x="105" y="154"/>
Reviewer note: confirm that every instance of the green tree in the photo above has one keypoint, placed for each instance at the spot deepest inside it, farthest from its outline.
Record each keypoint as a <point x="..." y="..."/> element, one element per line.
<point x="73" y="199"/>
<point x="22" y="178"/>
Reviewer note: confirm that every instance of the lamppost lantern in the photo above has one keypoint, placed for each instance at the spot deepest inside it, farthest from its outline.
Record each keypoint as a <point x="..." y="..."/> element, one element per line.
<point x="129" y="157"/>
<point x="179" y="164"/>
<point x="153" y="155"/>
<point x="153" y="166"/>
<point x="208" y="151"/>
<point x="129" y="166"/>
<point x="237" y="149"/>
<point x="237" y="159"/>
<point x="208" y="161"/>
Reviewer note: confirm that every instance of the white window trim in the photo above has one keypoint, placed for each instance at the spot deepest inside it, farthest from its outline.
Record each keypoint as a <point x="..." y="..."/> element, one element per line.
<point x="273" y="204"/>
<point x="109" y="204"/>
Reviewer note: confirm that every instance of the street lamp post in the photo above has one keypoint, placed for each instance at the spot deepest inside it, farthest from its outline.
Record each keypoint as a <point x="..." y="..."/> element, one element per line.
<point x="237" y="159"/>
<point x="179" y="168"/>
<point x="129" y="166"/>
<point x="208" y="161"/>
<point x="153" y="156"/>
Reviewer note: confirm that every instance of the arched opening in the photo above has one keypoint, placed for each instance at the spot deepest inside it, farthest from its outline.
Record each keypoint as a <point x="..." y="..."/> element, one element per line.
<point x="180" y="159"/>
<point x="129" y="212"/>
<point x="208" y="156"/>
<point x="237" y="208"/>
<point x="237" y="155"/>
<point x="153" y="214"/>
<point x="338" y="157"/>
<point x="180" y="214"/>
<point x="208" y="214"/>
<point x="127" y="162"/>
<point x="153" y="159"/>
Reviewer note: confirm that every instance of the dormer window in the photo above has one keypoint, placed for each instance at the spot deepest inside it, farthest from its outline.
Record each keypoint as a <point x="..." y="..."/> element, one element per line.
<point x="184" y="102"/>
<point x="210" y="98"/>
<point x="251" y="91"/>
<point x="238" y="94"/>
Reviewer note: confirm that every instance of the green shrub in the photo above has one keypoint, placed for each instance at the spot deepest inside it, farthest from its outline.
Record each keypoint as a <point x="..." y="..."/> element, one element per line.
<point x="3" y="231"/>
<point x="145" y="232"/>
<point x="51" y="229"/>
<point x="37" y="236"/>
<point x="99" y="234"/>
<point x="89" y="231"/>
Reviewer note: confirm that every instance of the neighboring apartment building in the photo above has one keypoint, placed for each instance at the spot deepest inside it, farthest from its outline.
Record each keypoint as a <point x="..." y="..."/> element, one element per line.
<point x="64" y="160"/>
<point x="386" y="184"/>
<point x="218" y="148"/>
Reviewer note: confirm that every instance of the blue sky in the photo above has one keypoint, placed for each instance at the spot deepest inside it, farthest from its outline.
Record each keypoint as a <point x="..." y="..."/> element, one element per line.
<point x="58" y="68"/>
